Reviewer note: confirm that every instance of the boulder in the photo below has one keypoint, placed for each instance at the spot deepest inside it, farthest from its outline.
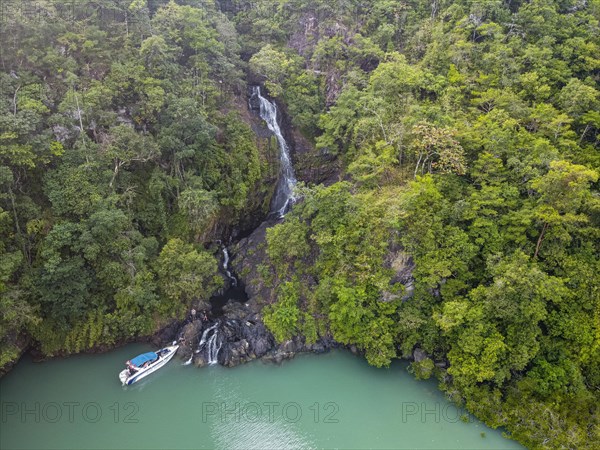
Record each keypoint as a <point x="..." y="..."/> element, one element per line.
<point x="189" y="336"/>
<point x="419" y="355"/>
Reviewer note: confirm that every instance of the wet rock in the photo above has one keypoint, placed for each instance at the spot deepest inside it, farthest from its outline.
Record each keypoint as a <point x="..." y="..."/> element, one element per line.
<point x="253" y="100"/>
<point x="248" y="256"/>
<point x="262" y="345"/>
<point x="255" y="332"/>
<point x="231" y="330"/>
<point x="200" y="360"/>
<point x="236" y="353"/>
<point x="323" y="345"/>
<point x="189" y="338"/>
<point x="241" y="337"/>
<point x="243" y="340"/>
<point x="288" y="347"/>
<point x="277" y="356"/>
<point x="246" y="337"/>
<point x="274" y="357"/>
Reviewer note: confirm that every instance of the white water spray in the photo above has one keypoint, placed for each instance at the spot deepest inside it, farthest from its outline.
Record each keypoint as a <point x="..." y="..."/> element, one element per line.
<point x="226" y="267"/>
<point x="284" y="195"/>
<point x="214" y="346"/>
<point x="211" y="344"/>
<point x="204" y="336"/>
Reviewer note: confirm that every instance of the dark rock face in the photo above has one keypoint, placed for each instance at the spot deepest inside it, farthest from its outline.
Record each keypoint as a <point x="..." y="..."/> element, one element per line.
<point x="312" y="165"/>
<point x="237" y="337"/>
<point x="166" y="334"/>
<point x="236" y="333"/>
<point x="253" y="101"/>
<point x="188" y="338"/>
<point x="246" y="337"/>
<point x="247" y="340"/>
<point x="247" y="256"/>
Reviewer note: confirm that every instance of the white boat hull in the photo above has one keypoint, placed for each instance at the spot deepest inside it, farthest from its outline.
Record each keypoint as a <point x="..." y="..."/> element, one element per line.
<point x="128" y="379"/>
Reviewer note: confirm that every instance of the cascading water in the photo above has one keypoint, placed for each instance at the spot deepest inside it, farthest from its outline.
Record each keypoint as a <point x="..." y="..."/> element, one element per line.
<point x="284" y="195"/>
<point x="214" y="345"/>
<point x="226" y="267"/>
<point x="211" y="341"/>
<point x="204" y="336"/>
<point x="210" y="344"/>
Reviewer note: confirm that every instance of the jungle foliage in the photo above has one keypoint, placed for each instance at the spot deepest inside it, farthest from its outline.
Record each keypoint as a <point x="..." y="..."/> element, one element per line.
<point x="122" y="150"/>
<point x="467" y="224"/>
<point x="469" y="137"/>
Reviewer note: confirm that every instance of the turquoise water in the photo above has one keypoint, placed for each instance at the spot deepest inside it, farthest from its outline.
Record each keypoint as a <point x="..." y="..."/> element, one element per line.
<point x="314" y="401"/>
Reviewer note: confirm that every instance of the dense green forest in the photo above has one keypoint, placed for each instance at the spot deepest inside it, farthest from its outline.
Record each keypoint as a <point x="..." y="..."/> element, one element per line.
<point x="468" y="136"/>
<point x="101" y="228"/>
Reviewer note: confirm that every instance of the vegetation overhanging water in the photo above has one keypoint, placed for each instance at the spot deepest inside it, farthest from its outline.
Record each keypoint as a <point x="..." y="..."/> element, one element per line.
<point x="332" y="400"/>
<point x="447" y="154"/>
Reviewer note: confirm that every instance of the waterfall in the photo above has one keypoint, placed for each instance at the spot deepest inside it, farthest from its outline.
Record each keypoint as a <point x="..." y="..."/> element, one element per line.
<point x="214" y="345"/>
<point x="284" y="194"/>
<point x="204" y="336"/>
<point x="226" y="267"/>
<point x="211" y="345"/>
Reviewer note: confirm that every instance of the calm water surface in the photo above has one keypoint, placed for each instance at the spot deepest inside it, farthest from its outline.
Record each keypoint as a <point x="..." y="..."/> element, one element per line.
<point x="314" y="401"/>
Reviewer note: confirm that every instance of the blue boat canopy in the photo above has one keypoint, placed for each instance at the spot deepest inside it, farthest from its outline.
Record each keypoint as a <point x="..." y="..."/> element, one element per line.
<point x="145" y="357"/>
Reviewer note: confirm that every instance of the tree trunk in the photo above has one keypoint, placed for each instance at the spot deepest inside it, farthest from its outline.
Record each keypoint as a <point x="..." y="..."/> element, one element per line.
<point x="540" y="239"/>
<point x="15" y="101"/>
<point x="418" y="163"/>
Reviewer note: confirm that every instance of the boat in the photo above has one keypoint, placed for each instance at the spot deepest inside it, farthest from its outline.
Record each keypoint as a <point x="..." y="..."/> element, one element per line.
<point x="143" y="365"/>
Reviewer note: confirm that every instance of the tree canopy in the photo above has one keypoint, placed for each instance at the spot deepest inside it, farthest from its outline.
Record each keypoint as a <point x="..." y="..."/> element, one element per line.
<point x="464" y="221"/>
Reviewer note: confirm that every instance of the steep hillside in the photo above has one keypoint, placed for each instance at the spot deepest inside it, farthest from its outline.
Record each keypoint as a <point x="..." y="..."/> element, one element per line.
<point x="448" y="210"/>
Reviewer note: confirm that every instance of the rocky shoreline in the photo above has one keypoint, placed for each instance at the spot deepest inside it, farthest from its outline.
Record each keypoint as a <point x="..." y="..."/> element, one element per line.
<point x="241" y="342"/>
<point x="241" y="336"/>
